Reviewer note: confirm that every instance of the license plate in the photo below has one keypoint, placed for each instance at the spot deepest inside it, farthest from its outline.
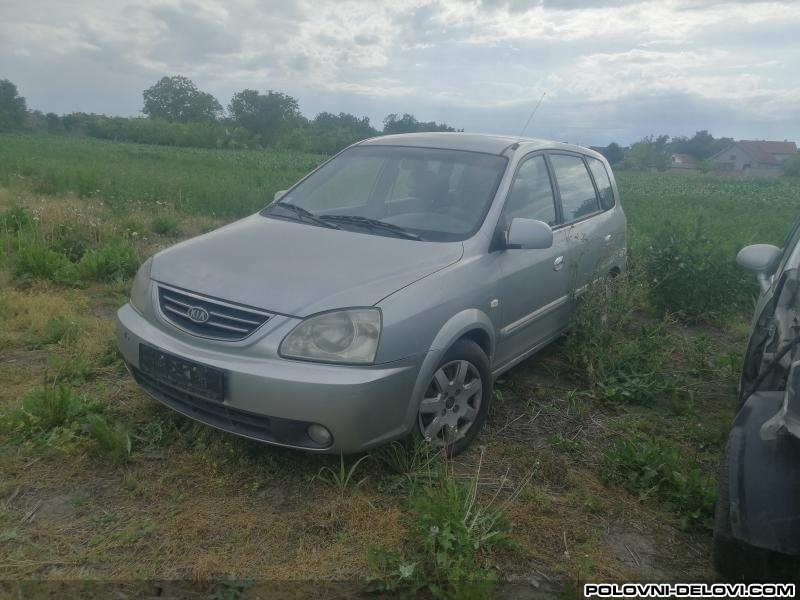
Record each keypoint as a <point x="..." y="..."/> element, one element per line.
<point x="186" y="375"/>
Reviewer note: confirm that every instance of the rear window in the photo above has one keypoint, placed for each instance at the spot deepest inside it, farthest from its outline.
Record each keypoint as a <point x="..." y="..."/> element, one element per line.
<point x="603" y="183"/>
<point x="578" y="198"/>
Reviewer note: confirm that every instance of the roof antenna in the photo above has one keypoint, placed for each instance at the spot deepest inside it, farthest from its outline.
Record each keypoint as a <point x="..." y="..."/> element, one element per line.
<point x="535" y="108"/>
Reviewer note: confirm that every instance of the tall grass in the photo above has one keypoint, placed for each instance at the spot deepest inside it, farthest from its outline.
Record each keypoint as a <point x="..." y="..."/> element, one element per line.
<point x="684" y="232"/>
<point x="227" y="183"/>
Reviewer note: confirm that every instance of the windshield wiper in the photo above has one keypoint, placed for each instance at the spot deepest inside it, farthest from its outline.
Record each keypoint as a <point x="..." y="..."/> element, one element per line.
<point x="372" y="224"/>
<point x="302" y="214"/>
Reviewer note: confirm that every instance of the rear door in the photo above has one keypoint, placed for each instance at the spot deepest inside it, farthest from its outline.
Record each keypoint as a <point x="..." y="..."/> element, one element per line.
<point x="534" y="287"/>
<point x="588" y="227"/>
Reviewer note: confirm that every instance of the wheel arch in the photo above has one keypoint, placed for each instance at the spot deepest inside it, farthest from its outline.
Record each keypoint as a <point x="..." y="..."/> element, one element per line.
<point x="471" y="324"/>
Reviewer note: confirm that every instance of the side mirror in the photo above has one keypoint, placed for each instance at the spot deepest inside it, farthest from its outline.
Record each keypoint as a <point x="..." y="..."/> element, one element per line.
<point x="529" y="234"/>
<point x="761" y="259"/>
<point x="278" y="195"/>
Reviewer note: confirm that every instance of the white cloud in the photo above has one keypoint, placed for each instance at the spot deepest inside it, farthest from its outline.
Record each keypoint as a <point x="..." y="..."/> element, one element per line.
<point x="479" y="64"/>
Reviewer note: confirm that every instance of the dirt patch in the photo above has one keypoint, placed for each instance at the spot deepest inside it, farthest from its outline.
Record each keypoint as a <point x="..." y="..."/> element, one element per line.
<point x="636" y="552"/>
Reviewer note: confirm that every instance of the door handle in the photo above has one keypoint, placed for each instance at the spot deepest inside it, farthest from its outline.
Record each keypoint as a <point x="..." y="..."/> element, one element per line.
<point x="558" y="263"/>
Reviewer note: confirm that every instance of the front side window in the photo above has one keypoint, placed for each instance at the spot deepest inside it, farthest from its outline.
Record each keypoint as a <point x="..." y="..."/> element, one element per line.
<point x="578" y="198"/>
<point x="603" y="183"/>
<point x="531" y="195"/>
<point x="432" y="194"/>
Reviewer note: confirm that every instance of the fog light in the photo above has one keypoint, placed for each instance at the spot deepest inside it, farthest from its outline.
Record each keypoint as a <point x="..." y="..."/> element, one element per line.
<point x="319" y="434"/>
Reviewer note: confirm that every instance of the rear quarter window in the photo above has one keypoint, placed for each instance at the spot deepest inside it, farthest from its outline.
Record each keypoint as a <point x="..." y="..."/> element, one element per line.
<point x="603" y="182"/>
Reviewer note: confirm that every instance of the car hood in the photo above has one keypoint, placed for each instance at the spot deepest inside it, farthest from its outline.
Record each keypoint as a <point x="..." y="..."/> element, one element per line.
<point x="298" y="269"/>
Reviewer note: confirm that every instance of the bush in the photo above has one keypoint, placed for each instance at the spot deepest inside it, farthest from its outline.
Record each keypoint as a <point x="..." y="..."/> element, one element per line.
<point x="36" y="261"/>
<point x="693" y="276"/>
<point x="165" y="226"/>
<point x="655" y="468"/>
<point x="115" y="260"/>
<point x="67" y="240"/>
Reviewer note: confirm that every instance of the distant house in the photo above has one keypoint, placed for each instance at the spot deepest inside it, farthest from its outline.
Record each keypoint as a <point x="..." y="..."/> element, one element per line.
<point x="685" y="162"/>
<point x="754" y="158"/>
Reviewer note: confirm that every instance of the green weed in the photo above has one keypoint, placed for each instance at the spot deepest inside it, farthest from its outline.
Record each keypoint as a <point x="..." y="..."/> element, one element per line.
<point x="46" y="409"/>
<point x="36" y="261"/>
<point x="113" y="441"/>
<point x="55" y="330"/>
<point x="167" y="226"/>
<point x="411" y="465"/>
<point x="70" y="241"/>
<point x="451" y="536"/>
<point x="620" y="355"/>
<point x="658" y="469"/>
<point x="72" y="368"/>
<point x="16" y="218"/>
<point x="342" y="477"/>
<point x="693" y="276"/>
<point x="114" y="260"/>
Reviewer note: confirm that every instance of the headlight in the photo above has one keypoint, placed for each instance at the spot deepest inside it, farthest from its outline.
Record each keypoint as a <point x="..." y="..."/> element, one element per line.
<point x="343" y="336"/>
<point x="141" y="286"/>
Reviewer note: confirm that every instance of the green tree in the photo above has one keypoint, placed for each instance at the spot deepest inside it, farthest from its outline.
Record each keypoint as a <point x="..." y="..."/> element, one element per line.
<point x="12" y="106"/>
<point x="702" y="145"/>
<point x="269" y="115"/>
<point x="53" y="122"/>
<point x="613" y="153"/>
<point x="791" y="166"/>
<point x="177" y="99"/>
<point x="409" y="124"/>
<point x="650" y="153"/>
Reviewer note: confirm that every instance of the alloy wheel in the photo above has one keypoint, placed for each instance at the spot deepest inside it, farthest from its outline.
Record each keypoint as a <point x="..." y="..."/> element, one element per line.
<point x="451" y="403"/>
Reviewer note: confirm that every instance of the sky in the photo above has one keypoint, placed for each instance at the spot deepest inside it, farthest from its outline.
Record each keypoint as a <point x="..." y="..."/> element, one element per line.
<point x="610" y="70"/>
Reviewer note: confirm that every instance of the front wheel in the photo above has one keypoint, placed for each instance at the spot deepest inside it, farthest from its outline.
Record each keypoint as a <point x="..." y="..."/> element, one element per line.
<point x="457" y="398"/>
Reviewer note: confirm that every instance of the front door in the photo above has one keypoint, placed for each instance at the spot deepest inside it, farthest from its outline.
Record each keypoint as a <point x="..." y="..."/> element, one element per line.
<point x="534" y="285"/>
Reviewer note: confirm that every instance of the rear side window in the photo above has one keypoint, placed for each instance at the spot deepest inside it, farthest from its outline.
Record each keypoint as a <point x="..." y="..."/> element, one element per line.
<point x="531" y="195"/>
<point x="603" y="183"/>
<point x="578" y="198"/>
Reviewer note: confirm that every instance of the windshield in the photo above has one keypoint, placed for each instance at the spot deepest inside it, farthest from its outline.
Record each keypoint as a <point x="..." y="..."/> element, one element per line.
<point x="416" y="193"/>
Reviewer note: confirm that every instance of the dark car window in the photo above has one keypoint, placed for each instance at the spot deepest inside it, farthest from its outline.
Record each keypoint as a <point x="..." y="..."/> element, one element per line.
<point x="438" y="195"/>
<point x="578" y="198"/>
<point x="531" y="195"/>
<point x="603" y="183"/>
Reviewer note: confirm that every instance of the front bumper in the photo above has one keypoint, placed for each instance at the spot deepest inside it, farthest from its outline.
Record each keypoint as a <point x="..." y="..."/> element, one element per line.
<point x="273" y="399"/>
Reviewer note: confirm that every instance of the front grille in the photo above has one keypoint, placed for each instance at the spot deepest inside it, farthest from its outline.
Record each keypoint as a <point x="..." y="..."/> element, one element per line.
<point x="226" y="321"/>
<point x="286" y="432"/>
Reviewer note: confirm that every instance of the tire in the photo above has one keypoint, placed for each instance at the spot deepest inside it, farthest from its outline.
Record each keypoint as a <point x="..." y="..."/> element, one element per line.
<point x="737" y="560"/>
<point x="453" y="411"/>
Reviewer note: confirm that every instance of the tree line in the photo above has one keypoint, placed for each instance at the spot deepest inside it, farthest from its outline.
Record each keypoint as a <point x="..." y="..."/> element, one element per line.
<point x="655" y="152"/>
<point x="177" y="113"/>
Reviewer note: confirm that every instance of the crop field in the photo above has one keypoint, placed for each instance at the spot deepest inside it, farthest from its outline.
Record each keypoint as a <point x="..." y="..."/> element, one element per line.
<point x="598" y="462"/>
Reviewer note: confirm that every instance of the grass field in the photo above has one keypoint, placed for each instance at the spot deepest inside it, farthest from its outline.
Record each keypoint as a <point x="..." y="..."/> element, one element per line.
<point x="598" y="461"/>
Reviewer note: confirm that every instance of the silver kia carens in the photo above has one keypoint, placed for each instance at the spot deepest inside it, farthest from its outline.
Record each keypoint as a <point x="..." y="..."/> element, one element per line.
<point x="381" y="295"/>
